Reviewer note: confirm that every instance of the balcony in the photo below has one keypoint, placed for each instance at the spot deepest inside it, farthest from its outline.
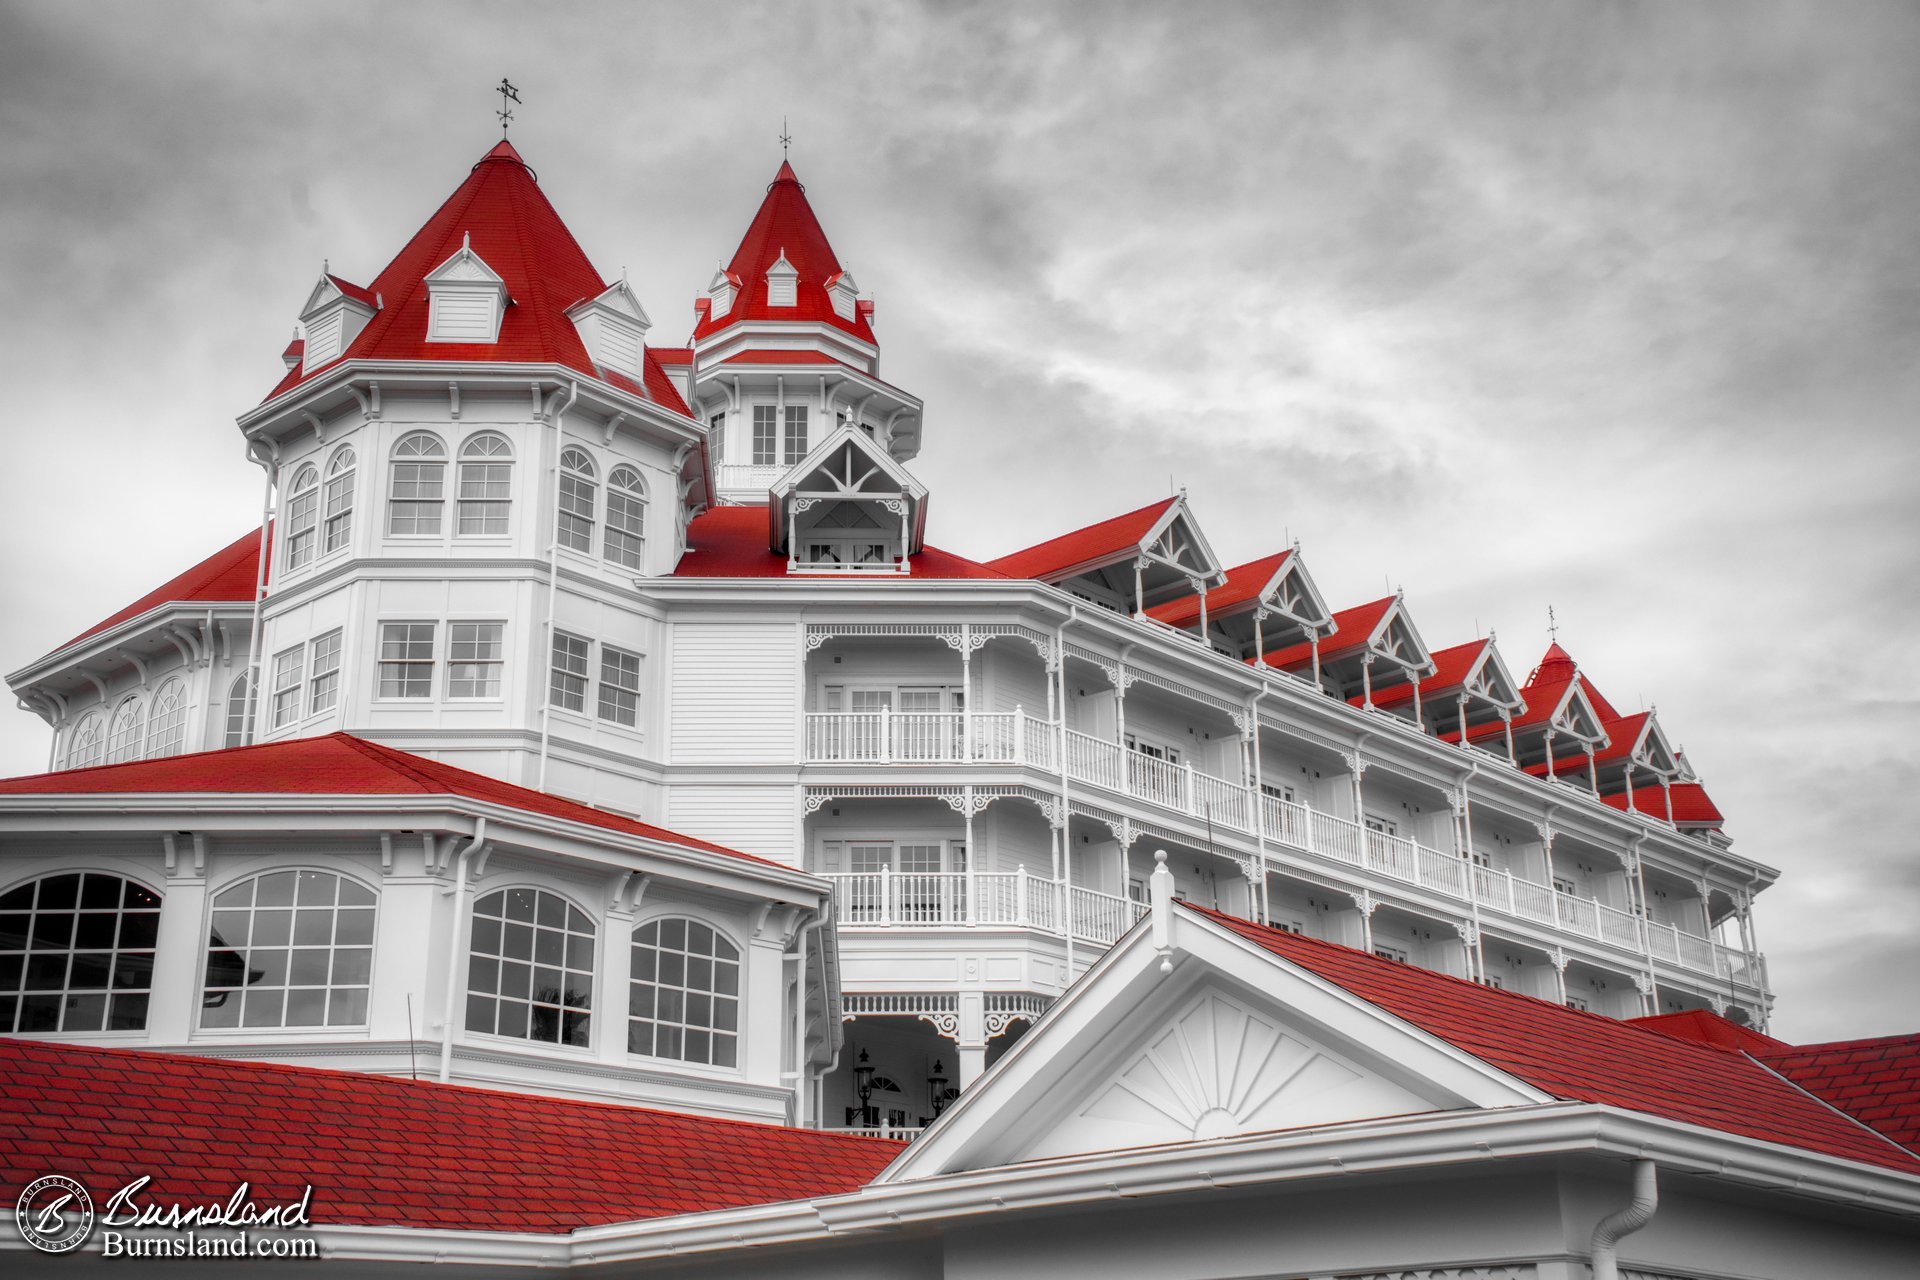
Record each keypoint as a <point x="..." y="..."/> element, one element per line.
<point x="749" y="475"/>
<point x="1015" y="738"/>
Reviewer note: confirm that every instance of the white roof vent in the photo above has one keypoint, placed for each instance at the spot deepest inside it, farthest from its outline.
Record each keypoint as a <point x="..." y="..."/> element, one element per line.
<point x="335" y="313"/>
<point x="721" y="291"/>
<point x="845" y="294"/>
<point x="466" y="299"/>
<point x="782" y="283"/>
<point x="614" y="328"/>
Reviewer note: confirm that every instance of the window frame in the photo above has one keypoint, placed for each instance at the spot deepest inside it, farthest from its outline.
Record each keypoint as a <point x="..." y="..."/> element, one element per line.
<point x="302" y="542"/>
<point x="287" y="986"/>
<point x="13" y="996"/>
<point x="316" y="654"/>
<point x="289" y="689"/>
<point x="337" y="501"/>
<point x="498" y="663"/>
<point x="633" y="691"/>
<point x="418" y="497"/>
<point x="239" y="694"/>
<point x="796" y="423"/>
<point x="382" y="662"/>
<point x="487" y="463"/>
<point x="683" y="1024"/>
<point x="128" y="743"/>
<point x="569" y="521"/>
<point x="93" y="718"/>
<point x="555" y="673"/>
<point x="597" y="935"/>
<point x="766" y="435"/>
<point x="172" y="721"/>
<point x="631" y="526"/>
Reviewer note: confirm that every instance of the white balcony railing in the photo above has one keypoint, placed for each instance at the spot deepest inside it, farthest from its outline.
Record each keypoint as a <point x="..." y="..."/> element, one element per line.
<point x="749" y="475"/>
<point x="890" y="737"/>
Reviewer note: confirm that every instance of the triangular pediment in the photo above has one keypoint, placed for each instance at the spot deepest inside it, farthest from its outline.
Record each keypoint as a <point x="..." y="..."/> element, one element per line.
<point x="1395" y="639"/>
<point x="845" y="482"/>
<point x="1490" y="680"/>
<point x="1206" y="1037"/>
<point x="1293" y="594"/>
<point x="464" y="267"/>
<point x="1577" y="716"/>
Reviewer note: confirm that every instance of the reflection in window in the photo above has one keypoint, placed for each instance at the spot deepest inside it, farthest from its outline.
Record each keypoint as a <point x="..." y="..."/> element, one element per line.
<point x="290" y="949"/>
<point x="685" y="999"/>
<point x="76" y="954"/>
<point x="531" y="972"/>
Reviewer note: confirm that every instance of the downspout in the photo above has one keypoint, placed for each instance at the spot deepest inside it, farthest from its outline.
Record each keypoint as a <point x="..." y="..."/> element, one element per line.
<point x="1259" y="799"/>
<point x="801" y="1085"/>
<point x="1608" y="1232"/>
<point x="271" y="465"/>
<point x="553" y="572"/>
<point x="453" y="946"/>
<point x="1646" y="922"/>
<point x="1062" y="871"/>
<point x="1464" y="832"/>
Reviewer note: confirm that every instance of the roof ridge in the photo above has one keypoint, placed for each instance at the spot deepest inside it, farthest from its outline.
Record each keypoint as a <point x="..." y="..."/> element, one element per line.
<point x="1912" y="1037"/>
<point x="1832" y="1106"/>
<point x="392" y="759"/>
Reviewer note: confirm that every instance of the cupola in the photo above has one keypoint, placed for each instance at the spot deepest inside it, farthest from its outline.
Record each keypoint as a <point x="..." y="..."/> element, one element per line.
<point x="614" y="328"/>
<point x="467" y="299"/>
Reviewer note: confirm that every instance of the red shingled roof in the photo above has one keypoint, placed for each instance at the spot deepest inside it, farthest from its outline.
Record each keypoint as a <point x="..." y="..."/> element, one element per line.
<point x="517" y="233"/>
<point x="1071" y="553"/>
<point x="731" y="542"/>
<point x="380" y="1151"/>
<point x="228" y="576"/>
<point x="1583" y="1057"/>
<point x="1451" y="669"/>
<point x="1242" y="588"/>
<point x="333" y="764"/>
<point x="785" y="223"/>
<point x="1352" y="627"/>
<point x="1690" y="803"/>
<point x="1877" y="1082"/>
<point x="1708" y="1027"/>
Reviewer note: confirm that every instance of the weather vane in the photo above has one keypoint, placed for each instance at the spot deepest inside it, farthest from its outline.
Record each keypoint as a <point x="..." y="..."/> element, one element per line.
<point x="1553" y="625"/>
<point x="507" y="94"/>
<point x="786" y="139"/>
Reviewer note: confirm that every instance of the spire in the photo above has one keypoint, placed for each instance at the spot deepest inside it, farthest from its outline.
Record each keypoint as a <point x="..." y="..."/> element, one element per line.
<point x="785" y="225"/>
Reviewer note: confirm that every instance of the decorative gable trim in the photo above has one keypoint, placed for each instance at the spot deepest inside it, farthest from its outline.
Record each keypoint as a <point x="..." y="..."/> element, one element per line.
<point x="1395" y="639"/>
<point x="848" y="472"/>
<point x="613" y="328"/>
<point x="466" y="299"/>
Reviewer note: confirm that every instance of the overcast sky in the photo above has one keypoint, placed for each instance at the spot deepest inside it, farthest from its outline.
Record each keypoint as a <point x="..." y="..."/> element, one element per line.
<point x="1613" y="308"/>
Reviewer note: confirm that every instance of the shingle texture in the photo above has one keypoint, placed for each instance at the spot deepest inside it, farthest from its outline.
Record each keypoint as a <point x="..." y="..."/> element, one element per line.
<point x="1877" y="1082"/>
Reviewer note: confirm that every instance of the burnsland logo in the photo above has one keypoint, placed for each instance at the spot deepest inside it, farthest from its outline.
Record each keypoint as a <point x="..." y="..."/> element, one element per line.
<point x="56" y="1215"/>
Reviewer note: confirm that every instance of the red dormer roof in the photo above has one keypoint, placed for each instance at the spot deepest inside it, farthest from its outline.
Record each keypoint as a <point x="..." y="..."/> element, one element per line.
<point x="334" y="764"/>
<point x="1691" y="806"/>
<point x="511" y="225"/>
<point x="731" y="542"/>
<point x="1352" y="628"/>
<point x="1452" y="667"/>
<point x="1877" y="1082"/>
<point x="1242" y="588"/>
<point x="364" y="296"/>
<point x="380" y="1151"/>
<point x="785" y="226"/>
<point x="228" y="576"/>
<point x="1584" y="1057"/>
<point x="1083" y="549"/>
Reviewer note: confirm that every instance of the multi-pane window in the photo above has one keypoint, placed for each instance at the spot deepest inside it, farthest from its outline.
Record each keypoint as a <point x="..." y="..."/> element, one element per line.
<point x="530" y="975"/>
<point x="238" y="710"/>
<point x="626" y="517"/>
<point x="124" y="736"/>
<point x="323" y="682"/>
<point x="486" y="486"/>
<point x="619" y="685"/>
<point x="83" y="749"/>
<point x="303" y="517"/>
<point x="406" y="659"/>
<point x="685" y="999"/>
<point x="419" y="486"/>
<point x="289" y="949"/>
<point x="339" y="500"/>
<point x="577" y="498"/>
<point x="287" y="671"/>
<point x="568" y="689"/>
<point x="764" y="442"/>
<point x="167" y="722"/>
<point x="76" y="954"/>
<point x="474" y="659"/>
<point x="796" y="434"/>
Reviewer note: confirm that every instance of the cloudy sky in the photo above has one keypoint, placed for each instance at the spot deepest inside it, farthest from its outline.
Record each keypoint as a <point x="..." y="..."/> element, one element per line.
<point x="1609" y="307"/>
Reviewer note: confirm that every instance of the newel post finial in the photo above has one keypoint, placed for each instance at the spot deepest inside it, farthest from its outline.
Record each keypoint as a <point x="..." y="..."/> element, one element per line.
<point x="1160" y="898"/>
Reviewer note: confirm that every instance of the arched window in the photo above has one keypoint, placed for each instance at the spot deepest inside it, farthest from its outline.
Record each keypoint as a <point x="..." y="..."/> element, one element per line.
<point x="685" y="1002"/>
<point x="303" y="517"/>
<point x="626" y="517"/>
<point x="577" y="500"/>
<point x="237" y="709"/>
<point x="339" y="497"/>
<point x="167" y="722"/>
<point x="531" y="973"/>
<point x="289" y="949"/>
<point x="76" y="953"/>
<point x="418" y="492"/>
<point x="486" y="486"/>
<point x="124" y="737"/>
<point x="83" y="748"/>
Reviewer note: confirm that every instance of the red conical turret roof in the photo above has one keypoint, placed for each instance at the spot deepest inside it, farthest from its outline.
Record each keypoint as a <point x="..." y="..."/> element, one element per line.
<point x="786" y="225"/>
<point x="502" y="213"/>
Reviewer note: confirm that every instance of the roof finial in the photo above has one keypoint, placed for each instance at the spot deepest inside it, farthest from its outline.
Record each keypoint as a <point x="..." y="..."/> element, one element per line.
<point x="507" y="94"/>
<point x="1553" y="626"/>
<point x="786" y="139"/>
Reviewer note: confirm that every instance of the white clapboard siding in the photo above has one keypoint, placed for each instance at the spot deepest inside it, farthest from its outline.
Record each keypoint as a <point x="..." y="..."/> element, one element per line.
<point x="620" y="345"/>
<point x="756" y="820"/>
<point x="463" y="315"/>
<point x="734" y="693"/>
<point x="323" y="338"/>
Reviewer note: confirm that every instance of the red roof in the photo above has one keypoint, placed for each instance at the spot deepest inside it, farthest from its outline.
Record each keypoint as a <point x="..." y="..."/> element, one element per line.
<point x="1352" y="627"/>
<point x="762" y="355"/>
<point x="1083" y="549"/>
<point x="517" y="233"/>
<point x="1451" y="669"/>
<point x="1877" y="1082"/>
<point x="1690" y="803"/>
<point x="333" y="764"/>
<point x="785" y="224"/>
<point x="1243" y="587"/>
<point x="731" y="542"/>
<point x="674" y="357"/>
<point x="1584" y="1057"/>
<point x="1623" y="735"/>
<point x="1556" y="667"/>
<point x="364" y="296"/>
<point x="228" y="576"/>
<point x="380" y="1151"/>
<point x="1708" y="1027"/>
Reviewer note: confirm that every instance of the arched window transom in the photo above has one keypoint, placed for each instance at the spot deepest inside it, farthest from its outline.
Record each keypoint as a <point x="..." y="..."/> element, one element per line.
<point x="486" y="486"/>
<point x="339" y="500"/>
<point x="83" y="749"/>
<point x="76" y="954"/>
<point x="289" y="949"/>
<point x="418" y="492"/>
<point x="303" y="517"/>
<point x="531" y="971"/>
<point x="578" y="498"/>
<point x="626" y="517"/>
<point x="685" y="1001"/>
<point x="124" y="739"/>
<point x="167" y="722"/>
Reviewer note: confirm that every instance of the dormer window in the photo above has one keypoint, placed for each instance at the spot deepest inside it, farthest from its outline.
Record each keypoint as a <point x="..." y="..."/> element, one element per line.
<point x="335" y="313"/>
<point x="847" y="508"/>
<point x="721" y="291"/>
<point x="466" y="300"/>
<point x="845" y="295"/>
<point x="783" y="283"/>
<point x="614" y="328"/>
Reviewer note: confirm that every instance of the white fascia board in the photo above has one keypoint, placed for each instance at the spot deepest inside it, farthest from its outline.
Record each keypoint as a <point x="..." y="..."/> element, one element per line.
<point x="740" y="330"/>
<point x="118" y="634"/>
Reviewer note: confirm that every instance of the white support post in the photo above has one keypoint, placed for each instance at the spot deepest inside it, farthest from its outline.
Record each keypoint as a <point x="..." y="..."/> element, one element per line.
<point x="966" y="691"/>
<point x="1020" y="734"/>
<point x="886" y="735"/>
<point x="886" y="893"/>
<point x="972" y="882"/>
